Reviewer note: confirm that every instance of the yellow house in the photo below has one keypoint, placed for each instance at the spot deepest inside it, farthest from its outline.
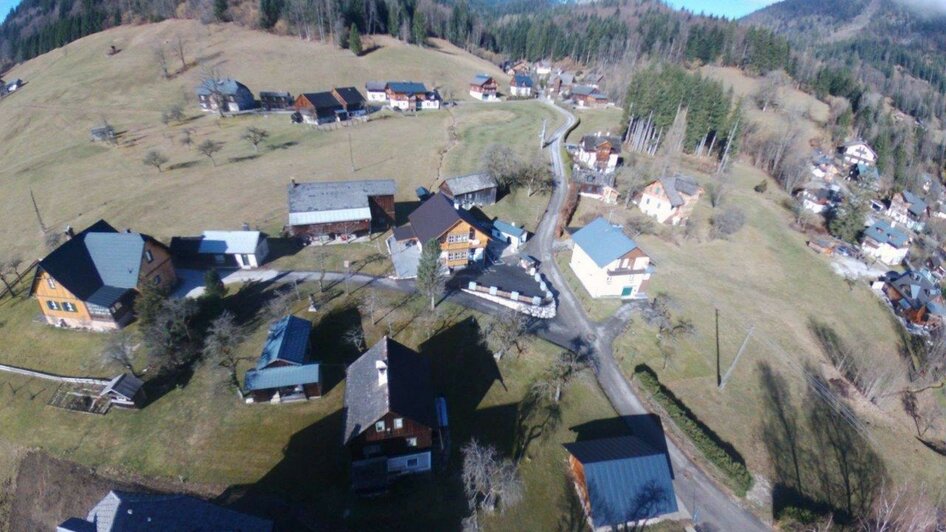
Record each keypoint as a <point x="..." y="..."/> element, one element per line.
<point x="461" y="239"/>
<point x="92" y="279"/>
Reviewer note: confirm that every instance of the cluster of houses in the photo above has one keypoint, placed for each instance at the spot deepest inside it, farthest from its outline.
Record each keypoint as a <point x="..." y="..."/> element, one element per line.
<point x="403" y="95"/>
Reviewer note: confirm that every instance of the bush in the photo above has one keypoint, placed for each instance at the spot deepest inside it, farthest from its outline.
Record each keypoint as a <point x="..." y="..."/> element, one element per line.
<point x="762" y="186"/>
<point x="720" y="453"/>
<point x="728" y="222"/>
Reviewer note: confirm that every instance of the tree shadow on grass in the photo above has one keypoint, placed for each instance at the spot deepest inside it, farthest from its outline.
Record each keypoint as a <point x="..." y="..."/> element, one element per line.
<point x="328" y="336"/>
<point x="280" y="247"/>
<point x="243" y="158"/>
<point x="283" y="145"/>
<point x="821" y="463"/>
<point x="182" y="166"/>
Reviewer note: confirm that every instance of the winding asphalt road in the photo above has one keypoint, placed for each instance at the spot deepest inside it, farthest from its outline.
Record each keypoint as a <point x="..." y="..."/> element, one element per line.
<point x="712" y="507"/>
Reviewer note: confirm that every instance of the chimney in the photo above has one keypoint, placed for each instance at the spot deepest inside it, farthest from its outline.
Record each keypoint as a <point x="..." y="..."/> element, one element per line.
<point x="69" y="232"/>
<point x="292" y="182"/>
<point x="382" y="368"/>
<point x="246" y="226"/>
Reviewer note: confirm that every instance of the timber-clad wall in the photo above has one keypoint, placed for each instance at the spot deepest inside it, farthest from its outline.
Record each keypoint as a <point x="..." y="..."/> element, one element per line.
<point x="393" y="442"/>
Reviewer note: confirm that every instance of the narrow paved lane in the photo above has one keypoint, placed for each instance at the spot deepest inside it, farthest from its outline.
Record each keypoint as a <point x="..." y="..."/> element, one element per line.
<point x="712" y="508"/>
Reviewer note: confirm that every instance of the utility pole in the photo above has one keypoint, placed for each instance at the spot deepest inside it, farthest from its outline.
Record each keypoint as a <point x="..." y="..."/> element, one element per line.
<point x="351" y="153"/>
<point x="42" y="226"/>
<point x="719" y="378"/>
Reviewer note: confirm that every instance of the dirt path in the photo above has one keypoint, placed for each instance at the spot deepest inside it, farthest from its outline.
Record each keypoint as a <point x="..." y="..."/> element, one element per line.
<point x="452" y="141"/>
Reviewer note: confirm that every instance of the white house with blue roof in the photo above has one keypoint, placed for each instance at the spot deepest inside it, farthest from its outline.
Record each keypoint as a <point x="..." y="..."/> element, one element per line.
<point x="885" y="242"/>
<point x="609" y="263"/>
<point x="509" y="233"/>
<point x="283" y="372"/>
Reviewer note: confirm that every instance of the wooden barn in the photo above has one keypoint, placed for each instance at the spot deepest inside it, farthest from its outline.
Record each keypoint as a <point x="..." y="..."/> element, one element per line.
<point x="473" y="189"/>
<point x="340" y="209"/>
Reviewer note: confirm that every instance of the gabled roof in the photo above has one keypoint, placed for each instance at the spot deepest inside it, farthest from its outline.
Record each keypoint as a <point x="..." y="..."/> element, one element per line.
<point x="125" y="385"/>
<point x="521" y="80"/>
<point x="465" y="184"/>
<point x="508" y="229"/>
<point x="885" y="233"/>
<point x="332" y="201"/>
<point x="325" y="103"/>
<point x="375" y="86"/>
<point x="281" y="377"/>
<point x="603" y="242"/>
<point x="481" y="79"/>
<point x="918" y="290"/>
<point x="678" y="186"/>
<point x="123" y="511"/>
<point x="627" y="480"/>
<point x="98" y="265"/>
<point x="436" y="216"/>
<point x="350" y="96"/>
<point x="407" y="87"/>
<point x="591" y="142"/>
<point x="915" y="204"/>
<point x="408" y="390"/>
<point x="287" y="341"/>
<point x="275" y="94"/>
<point x="226" y="86"/>
<point x="586" y="90"/>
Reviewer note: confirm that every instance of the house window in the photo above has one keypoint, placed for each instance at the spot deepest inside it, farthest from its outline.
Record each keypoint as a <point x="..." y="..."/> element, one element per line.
<point x="456" y="255"/>
<point x="398" y="423"/>
<point x="50" y="282"/>
<point x="149" y="257"/>
<point x="246" y="259"/>
<point x="411" y="462"/>
<point x="472" y="234"/>
<point x="68" y="307"/>
<point x="379" y="426"/>
<point x="412" y="442"/>
<point x="52" y="305"/>
<point x="454" y="239"/>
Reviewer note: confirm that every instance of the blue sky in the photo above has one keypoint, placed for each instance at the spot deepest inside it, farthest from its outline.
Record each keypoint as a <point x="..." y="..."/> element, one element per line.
<point x="727" y="8"/>
<point x="6" y="6"/>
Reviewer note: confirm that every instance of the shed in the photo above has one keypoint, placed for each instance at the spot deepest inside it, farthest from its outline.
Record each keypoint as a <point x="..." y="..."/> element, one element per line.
<point x="472" y="189"/>
<point x="239" y="249"/>
<point x="510" y="233"/>
<point x="125" y="390"/>
<point x="276" y="101"/>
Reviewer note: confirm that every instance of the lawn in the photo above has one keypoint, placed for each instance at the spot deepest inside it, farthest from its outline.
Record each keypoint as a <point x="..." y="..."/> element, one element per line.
<point x="200" y="435"/>
<point x="45" y="147"/>
<point x="592" y="121"/>
<point x="764" y="279"/>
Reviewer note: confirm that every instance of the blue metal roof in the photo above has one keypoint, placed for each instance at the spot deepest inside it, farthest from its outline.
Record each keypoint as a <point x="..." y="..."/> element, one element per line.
<point x="603" y="242"/>
<point x="140" y="512"/>
<point x="885" y="233"/>
<point x="225" y="86"/>
<point x="522" y="80"/>
<point x="288" y="340"/>
<point x="508" y="229"/>
<point x="627" y="480"/>
<point x="407" y="87"/>
<point x="916" y="204"/>
<point x="281" y="377"/>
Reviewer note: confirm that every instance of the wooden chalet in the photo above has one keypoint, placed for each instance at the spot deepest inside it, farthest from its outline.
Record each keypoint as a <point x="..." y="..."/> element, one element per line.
<point x="462" y="240"/>
<point x="91" y="280"/>
<point x="484" y="87"/>
<point x="321" y="107"/>
<point x="472" y="189"/>
<point x="340" y="209"/>
<point x="352" y="102"/>
<point x="916" y="297"/>
<point x="276" y="101"/>
<point x="392" y="419"/>
<point x="588" y="96"/>
<point x="283" y="372"/>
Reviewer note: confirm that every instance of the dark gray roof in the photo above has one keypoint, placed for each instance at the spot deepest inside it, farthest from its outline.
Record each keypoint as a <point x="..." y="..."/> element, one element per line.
<point x="436" y="216"/>
<point x="75" y="524"/>
<point x="465" y="184"/>
<point x="627" y="480"/>
<point x="481" y="79"/>
<point x="125" y="385"/>
<point x="375" y="86"/>
<point x="590" y="177"/>
<point x="586" y="90"/>
<point x="275" y="94"/>
<point x="228" y="87"/>
<point x="334" y="195"/>
<point x="915" y="204"/>
<point x="350" y="96"/>
<point x="288" y="341"/>
<point x="674" y="186"/>
<point x="408" y="391"/>
<point x="918" y="290"/>
<point x="140" y="512"/>
<point x="98" y="265"/>
<point x="325" y="103"/>
<point x="407" y="87"/>
<point x="591" y="142"/>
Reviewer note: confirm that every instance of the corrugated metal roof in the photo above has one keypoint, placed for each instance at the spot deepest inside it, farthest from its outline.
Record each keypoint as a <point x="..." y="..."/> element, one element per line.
<point x="134" y="512"/>
<point x="336" y="195"/>
<point x="627" y="480"/>
<point x="603" y="242"/>
<point x="407" y="87"/>
<point x="885" y="233"/>
<point x="288" y="341"/>
<point x="323" y="217"/>
<point x="465" y="184"/>
<point x="508" y="228"/>
<point x="281" y="377"/>
<point x="124" y="385"/>
<point x="229" y="242"/>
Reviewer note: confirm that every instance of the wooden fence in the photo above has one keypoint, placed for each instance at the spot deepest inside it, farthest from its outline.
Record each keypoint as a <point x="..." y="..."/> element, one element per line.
<point x="53" y="377"/>
<point x="4" y="291"/>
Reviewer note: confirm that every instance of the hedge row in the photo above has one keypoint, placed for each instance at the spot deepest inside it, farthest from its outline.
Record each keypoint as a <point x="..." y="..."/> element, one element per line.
<point x="720" y="453"/>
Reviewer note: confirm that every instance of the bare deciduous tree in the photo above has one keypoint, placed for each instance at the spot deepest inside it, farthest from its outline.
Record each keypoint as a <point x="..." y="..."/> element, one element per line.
<point x="505" y="329"/>
<point x="355" y="336"/>
<point x="901" y="508"/>
<point x="255" y="135"/>
<point x="208" y="148"/>
<point x="489" y="481"/>
<point x="155" y="158"/>
<point x="220" y="346"/>
<point x="120" y="349"/>
<point x="161" y="58"/>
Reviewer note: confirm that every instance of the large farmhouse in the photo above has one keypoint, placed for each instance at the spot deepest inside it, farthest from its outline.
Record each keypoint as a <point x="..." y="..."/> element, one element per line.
<point x="857" y="152"/>
<point x="226" y="94"/>
<point x="392" y="418"/>
<point x="340" y="209"/>
<point x="485" y="88"/>
<point x="608" y="263"/>
<point x="92" y="279"/>
<point x="916" y="297"/>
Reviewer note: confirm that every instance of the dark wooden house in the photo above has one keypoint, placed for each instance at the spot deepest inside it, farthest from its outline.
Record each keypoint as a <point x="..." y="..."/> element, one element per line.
<point x="392" y="420"/>
<point x="473" y="189"/>
<point x="276" y="101"/>
<point x="340" y="209"/>
<point x="351" y="100"/>
<point x="321" y="106"/>
<point x="283" y="372"/>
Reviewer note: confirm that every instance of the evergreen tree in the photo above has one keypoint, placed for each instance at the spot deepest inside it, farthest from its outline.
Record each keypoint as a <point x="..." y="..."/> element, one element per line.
<point x="269" y="12"/>
<point x="220" y="10"/>
<point x="847" y="221"/>
<point x="354" y="40"/>
<point x="149" y="303"/>
<point x="419" y="29"/>
<point x="430" y="278"/>
<point x="213" y="285"/>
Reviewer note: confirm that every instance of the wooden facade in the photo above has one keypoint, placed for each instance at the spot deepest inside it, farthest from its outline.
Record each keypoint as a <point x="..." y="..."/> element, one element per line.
<point x="458" y="243"/>
<point x="392" y="441"/>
